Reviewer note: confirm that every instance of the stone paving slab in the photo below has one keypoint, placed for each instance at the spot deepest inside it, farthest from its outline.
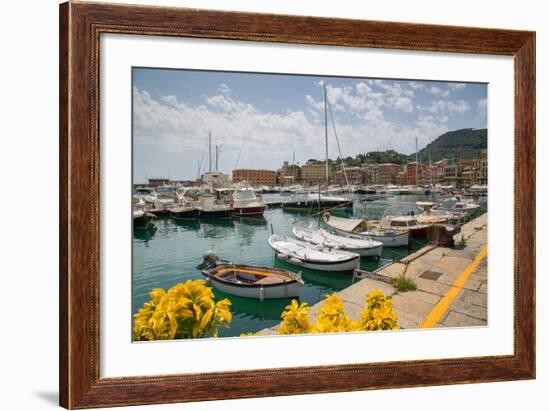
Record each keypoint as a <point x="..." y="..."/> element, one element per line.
<point x="455" y="319"/>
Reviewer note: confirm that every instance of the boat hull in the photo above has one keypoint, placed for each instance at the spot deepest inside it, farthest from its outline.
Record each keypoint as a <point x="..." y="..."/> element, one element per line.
<point x="248" y="211"/>
<point x="191" y="214"/>
<point x="366" y="252"/>
<point x="215" y="214"/>
<point x="307" y="205"/>
<point x="143" y="221"/>
<point x="342" y="266"/>
<point x="287" y="290"/>
<point x="371" y="251"/>
<point x="420" y="232"/>
<point x="159" y="212"/>
<point x="397" y="240"/>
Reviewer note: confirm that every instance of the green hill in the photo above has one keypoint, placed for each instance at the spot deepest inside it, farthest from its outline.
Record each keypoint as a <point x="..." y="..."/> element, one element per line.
<point x="466" y="143"/>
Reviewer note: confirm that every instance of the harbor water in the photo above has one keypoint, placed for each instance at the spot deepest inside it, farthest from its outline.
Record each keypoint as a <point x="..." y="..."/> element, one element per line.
<point x="169" y="251"/>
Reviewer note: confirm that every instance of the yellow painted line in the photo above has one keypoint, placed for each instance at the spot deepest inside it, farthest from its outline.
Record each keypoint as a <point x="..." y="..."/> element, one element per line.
<point x="437" y="313"/>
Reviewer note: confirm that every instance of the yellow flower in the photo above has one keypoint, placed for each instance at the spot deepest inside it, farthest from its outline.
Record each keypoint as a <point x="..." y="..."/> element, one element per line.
<point x="186" y="310"/>
<point x="295" y="319"/>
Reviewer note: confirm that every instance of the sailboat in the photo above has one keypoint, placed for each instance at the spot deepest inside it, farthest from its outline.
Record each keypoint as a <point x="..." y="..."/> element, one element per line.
<point x="320" y="201"/>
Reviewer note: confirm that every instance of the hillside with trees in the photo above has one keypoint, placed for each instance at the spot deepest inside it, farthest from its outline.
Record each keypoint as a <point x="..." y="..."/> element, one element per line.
<point x="466" y="143"/>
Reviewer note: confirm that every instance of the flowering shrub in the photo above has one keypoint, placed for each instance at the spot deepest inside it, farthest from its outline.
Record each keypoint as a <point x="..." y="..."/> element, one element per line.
<point x="186" y="310"/>
<point x="377" y="314"/>
<point x="296" y="319"/>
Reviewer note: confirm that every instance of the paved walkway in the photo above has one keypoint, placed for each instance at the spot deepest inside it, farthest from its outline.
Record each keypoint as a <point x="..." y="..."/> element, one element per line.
<point x="451" y="284"/>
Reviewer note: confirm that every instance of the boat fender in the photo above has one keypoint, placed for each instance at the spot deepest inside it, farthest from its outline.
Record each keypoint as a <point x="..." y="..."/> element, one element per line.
<point x="262" y="293"/>
<point x="282" y="256"/>
<point x="296" y="261"/>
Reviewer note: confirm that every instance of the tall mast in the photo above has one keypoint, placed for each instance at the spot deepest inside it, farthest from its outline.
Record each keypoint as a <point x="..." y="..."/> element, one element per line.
<point x="216" y="157"/>
<point x="209" y="152"/>
<point x="326" y="137"/>
<point x="430" y="165"/>
<point x="416" y="168"/>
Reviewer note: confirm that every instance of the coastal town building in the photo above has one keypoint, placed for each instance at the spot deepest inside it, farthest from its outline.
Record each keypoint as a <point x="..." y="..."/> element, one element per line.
<point x="215" y="178"/>
<point x="387" y="173"/>
<point x="313" y="173"/>
<point x="354" y="176"/>
<point x="290" y="174"/>
<point x="256" y="177"/>
<point x="370" y="174"/>
<point x="416" y="174"/>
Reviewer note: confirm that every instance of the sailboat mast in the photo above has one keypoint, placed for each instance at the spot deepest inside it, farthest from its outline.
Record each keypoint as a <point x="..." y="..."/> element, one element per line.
<point x="416" y="145"/>
<point x="209" y="152"/>
<point x="430" y="165"/>
<point x="216" y="158"/>
<point x="326" y="137"/>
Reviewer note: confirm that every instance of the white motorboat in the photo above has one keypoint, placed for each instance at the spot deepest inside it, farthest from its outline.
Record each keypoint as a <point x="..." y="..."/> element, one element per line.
<point x="457" y="203"/>
<point x="251" y="281"/>
<point x="480" y="190"/>
<point x="431" y="216"/>
<point x="140" y="217"/>
<point x="148" y="195"/>
<point x="246" y="203"/>
<point x="362" y="228"/>
<point x="395" y="190"/>
<point x="210" y="208"/>
<point x="311" y="256"/>
<point x="405" y="223"/>
<point x="363" y="247"/>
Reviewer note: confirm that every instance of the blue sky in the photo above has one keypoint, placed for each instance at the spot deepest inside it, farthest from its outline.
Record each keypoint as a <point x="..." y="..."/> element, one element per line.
<point x="260" y="120"/>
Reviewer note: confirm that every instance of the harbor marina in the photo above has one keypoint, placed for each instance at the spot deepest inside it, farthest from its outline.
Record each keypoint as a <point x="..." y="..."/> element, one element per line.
<point x="169" y="251"/>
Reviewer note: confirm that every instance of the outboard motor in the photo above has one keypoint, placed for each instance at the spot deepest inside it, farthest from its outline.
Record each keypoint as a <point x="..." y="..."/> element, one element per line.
<point x="444" y="234"/>
<point x="210" y="260"/>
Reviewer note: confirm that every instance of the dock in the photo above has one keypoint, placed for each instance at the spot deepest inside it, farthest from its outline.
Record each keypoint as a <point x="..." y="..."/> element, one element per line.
<point x="451" y="284"/>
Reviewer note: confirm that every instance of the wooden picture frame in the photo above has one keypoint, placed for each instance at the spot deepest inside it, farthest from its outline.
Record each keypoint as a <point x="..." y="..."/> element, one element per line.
<point x="80" y="27"/>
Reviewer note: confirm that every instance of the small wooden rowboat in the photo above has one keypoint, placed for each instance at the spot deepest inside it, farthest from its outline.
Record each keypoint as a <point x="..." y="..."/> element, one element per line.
<point x="251" y="281"/>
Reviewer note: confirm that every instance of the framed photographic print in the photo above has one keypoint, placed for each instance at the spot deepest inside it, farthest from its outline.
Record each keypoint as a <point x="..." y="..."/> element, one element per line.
<point x="256" y="205"/>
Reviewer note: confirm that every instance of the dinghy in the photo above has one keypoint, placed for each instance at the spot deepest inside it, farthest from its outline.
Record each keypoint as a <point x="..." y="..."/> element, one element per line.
<point x="311" y="256"/>
<point x="251" y="281"/>
<point x="363" y="247"/>
<point x="361" y="228"/>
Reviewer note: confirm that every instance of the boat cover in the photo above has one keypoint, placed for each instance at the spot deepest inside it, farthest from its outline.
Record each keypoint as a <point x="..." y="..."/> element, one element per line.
<point x="344" y="224"/>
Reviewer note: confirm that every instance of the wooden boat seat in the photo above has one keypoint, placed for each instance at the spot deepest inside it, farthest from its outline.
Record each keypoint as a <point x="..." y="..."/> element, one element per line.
<point x="271" y="280"/>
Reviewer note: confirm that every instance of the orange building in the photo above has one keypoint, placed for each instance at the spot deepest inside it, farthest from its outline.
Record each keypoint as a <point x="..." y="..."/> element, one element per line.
<point x="313" y="173"/>
<point x="256" y="177"/>
<point x="387" y="173"/>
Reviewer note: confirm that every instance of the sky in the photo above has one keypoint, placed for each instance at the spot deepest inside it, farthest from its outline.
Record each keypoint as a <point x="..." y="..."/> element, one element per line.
<point x="261" y="120"/>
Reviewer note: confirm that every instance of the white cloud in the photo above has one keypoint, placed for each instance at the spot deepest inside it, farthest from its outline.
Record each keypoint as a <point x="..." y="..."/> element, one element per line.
<point x="453" y="106"/>
<point x="456" y="86"/>
<point x="224" y="88"/>
<point x="436" y="91"/>
<point x="415" y="85"/>
<point x="459" y="106"/>
<point x="270" y="137"/>
<point x="482" y="103"/>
